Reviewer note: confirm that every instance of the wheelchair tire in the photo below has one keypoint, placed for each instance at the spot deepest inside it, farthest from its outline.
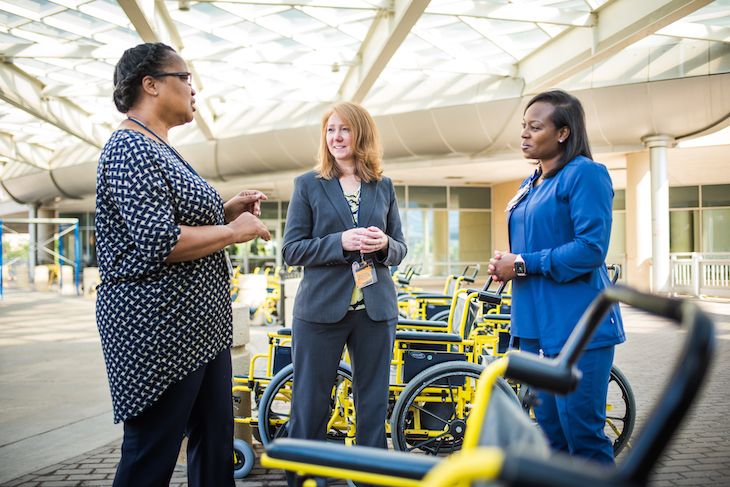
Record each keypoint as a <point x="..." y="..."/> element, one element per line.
<point x="243" y="459"/>
<point x="620" y="410"/>
<point x="410" y="413"/>
<point x="275" y="404"/>
<point x="441" y="316"/>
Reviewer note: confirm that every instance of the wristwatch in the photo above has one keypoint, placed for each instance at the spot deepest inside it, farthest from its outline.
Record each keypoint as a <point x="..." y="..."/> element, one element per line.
<point x="520" y="269"/>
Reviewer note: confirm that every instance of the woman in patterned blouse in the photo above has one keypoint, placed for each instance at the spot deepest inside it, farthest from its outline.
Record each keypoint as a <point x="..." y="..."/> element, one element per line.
<point x="163" y="306"/>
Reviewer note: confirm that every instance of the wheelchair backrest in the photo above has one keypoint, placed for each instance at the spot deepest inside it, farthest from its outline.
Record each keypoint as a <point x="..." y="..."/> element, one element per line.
<point x="464" y="313"/>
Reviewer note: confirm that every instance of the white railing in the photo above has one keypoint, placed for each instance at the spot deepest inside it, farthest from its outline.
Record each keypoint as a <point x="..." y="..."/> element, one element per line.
<point x="701" y="274"/>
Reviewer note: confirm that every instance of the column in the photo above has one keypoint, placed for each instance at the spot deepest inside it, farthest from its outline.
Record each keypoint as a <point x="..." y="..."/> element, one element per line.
<point x="657" y="145"/>
<point x="33" y="237"/>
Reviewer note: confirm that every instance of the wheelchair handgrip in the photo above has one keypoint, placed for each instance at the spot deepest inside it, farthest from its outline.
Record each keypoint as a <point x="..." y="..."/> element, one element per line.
<point x="468" y="279"/>
<point x="547" y="374"/>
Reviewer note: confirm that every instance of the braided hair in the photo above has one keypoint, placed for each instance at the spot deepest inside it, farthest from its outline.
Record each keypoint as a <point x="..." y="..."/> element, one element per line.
<point x="134" y="65"/>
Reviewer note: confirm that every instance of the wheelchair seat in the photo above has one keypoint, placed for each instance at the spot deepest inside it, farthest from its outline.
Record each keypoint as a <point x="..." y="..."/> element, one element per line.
<point x="361" y="458"/>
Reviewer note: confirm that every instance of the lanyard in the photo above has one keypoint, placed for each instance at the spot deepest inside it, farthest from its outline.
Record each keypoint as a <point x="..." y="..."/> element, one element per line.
<point x="162" y="141"/>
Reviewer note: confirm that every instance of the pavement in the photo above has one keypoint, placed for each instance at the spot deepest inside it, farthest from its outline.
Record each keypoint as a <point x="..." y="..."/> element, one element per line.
<point x="56" y="426"/>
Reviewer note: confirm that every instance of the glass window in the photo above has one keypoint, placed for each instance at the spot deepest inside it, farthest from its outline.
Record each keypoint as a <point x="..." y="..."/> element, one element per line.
<point x="427" y="239"/>
<point x="684" y="197"/>
<point x="716" y="195"/>
<point x="684" y="231"/>
<point x="478" y="198"/>
<point x="269" y="210"/>
<point x="400" y="195"/>
<point x="716" y="230"/>
<point x="426" y="197"/>
<point x="619" y="199"/>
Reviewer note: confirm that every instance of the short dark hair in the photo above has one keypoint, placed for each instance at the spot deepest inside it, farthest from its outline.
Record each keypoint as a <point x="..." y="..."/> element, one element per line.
<point x="136" y="63"/>
<point x="568" y="112"/>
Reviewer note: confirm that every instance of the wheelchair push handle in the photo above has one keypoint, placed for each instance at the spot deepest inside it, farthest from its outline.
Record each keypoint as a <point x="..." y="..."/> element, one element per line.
<point x="490" y="297"/>
<point x="679" y="392"/>
<point x="470" y="273"/>
<point x="616" y="269"/>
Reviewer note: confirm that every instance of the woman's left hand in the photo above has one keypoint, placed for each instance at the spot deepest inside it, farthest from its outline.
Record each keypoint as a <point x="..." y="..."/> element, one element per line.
<point x="248" y="200"/>
<point x="502" y="266"/>
<point x="373" y="240"/>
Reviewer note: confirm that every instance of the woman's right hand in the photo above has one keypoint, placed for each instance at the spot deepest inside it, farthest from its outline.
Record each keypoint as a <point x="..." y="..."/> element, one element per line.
<point x="351" y="239"/>
<point x="247" y="227"/>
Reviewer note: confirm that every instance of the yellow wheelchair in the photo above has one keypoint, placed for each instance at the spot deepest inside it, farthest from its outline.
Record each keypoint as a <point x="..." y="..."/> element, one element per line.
<point x="422" y="305"/>
<point x="516" y="458"/>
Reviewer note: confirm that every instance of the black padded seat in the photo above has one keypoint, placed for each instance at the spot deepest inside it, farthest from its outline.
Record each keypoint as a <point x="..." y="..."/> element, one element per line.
<point x="354" y="458"/>
<point x="284" y="331"/>
<point x="423" y="323"/>
<point x="415" y="336"/>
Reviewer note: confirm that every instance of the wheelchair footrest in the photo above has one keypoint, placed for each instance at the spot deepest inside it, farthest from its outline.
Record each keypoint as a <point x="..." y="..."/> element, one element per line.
<point x="356" y="458"/>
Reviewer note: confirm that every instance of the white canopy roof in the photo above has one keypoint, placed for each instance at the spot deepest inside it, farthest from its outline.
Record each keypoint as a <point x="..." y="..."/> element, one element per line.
<point x="444" y="78"/>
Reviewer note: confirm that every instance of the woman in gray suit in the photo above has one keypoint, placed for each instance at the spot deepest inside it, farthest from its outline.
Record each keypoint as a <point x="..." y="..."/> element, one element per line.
<point x="343" y="227"/>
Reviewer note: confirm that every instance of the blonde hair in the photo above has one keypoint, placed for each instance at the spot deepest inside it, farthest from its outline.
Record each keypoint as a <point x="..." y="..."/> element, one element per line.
<point x="367" y="151"/>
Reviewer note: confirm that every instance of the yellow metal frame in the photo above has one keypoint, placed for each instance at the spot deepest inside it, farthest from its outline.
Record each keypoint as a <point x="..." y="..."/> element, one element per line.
<point x="471" y="462"/>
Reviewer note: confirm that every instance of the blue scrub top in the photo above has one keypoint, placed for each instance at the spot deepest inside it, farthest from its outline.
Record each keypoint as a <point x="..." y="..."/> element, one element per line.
<point x="562" y="229"/>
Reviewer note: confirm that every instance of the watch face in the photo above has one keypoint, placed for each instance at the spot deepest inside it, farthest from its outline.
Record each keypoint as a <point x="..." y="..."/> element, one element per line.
<point x="520" y="268"/>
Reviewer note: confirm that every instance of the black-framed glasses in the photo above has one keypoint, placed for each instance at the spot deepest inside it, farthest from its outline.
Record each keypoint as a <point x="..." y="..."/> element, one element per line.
<point x="183" y="75"/>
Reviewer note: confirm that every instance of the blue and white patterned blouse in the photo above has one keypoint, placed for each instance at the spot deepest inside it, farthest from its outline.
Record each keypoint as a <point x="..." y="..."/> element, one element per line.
<point x="158" y="322"/>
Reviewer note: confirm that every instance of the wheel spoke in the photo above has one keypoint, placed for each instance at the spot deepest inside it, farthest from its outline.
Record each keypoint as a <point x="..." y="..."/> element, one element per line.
<point x="425" y="411"/>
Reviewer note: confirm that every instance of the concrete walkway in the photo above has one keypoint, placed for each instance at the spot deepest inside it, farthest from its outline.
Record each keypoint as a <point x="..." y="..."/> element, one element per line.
<point x="55" y="413"/>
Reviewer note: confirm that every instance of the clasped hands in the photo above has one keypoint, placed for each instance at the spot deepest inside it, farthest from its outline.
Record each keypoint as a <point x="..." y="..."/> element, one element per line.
<point x="366" y="240"/>
<point x="502" y="266"/>
<point x="242" y="212"/>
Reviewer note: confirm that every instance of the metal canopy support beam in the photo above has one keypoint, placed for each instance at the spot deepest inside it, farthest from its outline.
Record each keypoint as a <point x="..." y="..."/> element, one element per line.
<point x="24" y="92"/>
<point x="150" y="32"/>
<point x="618" y="25"/>
<point x="387" y="33"/>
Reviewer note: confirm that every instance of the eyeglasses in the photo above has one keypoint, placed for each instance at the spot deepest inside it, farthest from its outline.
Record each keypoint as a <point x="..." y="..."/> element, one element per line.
<point x="183" y="75"/>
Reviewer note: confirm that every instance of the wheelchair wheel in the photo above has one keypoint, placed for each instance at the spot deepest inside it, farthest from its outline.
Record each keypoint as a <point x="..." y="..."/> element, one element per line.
<point x="620" y="410"/>
<point x="275" y="405"/>
<point x="441" y="316"/>
<point x="431" y="413"/>
<point x="243" y="459"/>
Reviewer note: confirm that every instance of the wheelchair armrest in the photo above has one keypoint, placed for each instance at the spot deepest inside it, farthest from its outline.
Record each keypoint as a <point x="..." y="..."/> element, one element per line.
<point x="496" y="317"/>
<point x="428" y="336"/>
<point x="558" y="471"/>
<point x="423" y="296"/>
<point x="436" y="325"/>
<point x="359" y="458"/>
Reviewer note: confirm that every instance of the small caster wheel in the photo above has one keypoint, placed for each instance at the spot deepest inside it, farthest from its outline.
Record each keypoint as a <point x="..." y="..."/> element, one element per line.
<point x="243" y="459"/>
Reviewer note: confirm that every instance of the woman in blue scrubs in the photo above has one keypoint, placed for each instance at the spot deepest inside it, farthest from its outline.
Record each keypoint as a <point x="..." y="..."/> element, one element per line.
<point x="559" y="229"/>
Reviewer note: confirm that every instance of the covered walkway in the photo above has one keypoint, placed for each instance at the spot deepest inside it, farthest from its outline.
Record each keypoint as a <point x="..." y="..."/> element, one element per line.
<point x="55" y="413"/>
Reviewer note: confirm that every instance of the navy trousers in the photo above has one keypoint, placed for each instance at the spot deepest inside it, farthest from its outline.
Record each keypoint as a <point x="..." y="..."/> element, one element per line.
<point x="198" y="406"/>
<point x="574" y="423"/>
<point x="317" y="350"/>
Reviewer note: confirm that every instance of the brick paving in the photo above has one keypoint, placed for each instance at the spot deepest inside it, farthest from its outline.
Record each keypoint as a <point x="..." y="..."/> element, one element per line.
<point x="699" y="454"/>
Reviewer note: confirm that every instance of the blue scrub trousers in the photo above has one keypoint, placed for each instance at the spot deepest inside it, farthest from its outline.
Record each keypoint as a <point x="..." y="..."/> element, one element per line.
<point x="574" y="423"/>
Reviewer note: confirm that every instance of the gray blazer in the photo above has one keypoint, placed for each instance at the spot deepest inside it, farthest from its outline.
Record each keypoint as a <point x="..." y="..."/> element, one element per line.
<point x="318" y="214"/>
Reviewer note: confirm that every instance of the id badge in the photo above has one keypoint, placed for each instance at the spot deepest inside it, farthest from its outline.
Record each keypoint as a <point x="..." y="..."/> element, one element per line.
<point x="364" y="273"/>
